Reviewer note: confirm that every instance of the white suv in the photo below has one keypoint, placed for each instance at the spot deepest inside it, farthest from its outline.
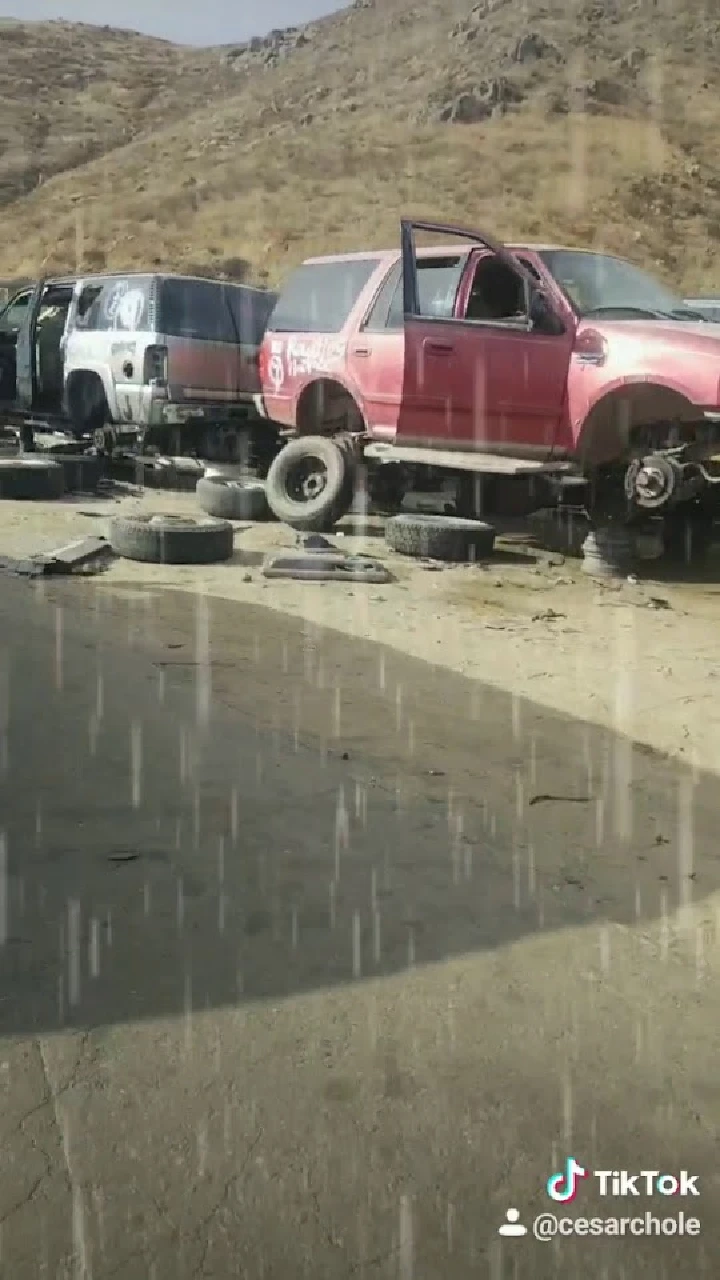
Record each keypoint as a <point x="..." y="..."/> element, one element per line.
<point x="150" y="352"/>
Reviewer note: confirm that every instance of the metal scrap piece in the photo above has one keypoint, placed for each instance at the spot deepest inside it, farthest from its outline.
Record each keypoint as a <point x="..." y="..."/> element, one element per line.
<point x="322" y="567"/>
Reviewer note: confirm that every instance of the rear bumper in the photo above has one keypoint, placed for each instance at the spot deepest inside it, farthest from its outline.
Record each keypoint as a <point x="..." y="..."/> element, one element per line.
<point x="162" y="412"/>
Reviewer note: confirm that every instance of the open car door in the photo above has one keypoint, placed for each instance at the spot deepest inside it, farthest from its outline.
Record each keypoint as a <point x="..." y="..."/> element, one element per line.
<point x="25" y="353"/>
<point x="490" y="376"/>
<point x="409" y="226"/>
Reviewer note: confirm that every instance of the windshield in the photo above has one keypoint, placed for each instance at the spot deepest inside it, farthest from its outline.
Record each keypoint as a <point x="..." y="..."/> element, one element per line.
<point x="599" y="282"/>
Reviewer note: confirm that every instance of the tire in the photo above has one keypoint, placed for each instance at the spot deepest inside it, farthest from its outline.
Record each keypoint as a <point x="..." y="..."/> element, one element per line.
<point x="171" y="539"/>
<point x="231" y="500"/>
<point x="153" y="476"/>
<point x="316" y="513"/>
<point x="83" y="472"/>
<point x="440" y="537"/>
<point x="87" y="405"/>
<point x="31" y="478"/>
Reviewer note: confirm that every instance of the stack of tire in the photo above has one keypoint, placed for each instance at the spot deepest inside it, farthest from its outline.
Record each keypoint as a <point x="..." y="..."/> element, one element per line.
<point x="37" y="477"/>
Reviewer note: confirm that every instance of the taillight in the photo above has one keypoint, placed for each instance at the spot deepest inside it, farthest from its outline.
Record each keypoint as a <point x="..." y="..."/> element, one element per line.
<point x="262" y="362"/>
<point x="156" y="365"/>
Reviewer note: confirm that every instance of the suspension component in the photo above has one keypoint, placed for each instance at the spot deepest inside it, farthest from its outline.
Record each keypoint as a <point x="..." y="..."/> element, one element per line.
<point x="658" y="481"/>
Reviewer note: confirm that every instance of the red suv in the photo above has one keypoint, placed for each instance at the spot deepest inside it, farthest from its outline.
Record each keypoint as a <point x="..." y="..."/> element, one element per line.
<point x="486" y="360"/>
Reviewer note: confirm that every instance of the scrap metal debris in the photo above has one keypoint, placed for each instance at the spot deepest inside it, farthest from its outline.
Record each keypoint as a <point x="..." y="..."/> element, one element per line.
<point x="316" y="542"/>
<point x="85" y="555"/>
<point x="321" y="561"/>
<point x="549" y="615"/>
<point x="541" y="799"/>
<point x="319" y="566"/>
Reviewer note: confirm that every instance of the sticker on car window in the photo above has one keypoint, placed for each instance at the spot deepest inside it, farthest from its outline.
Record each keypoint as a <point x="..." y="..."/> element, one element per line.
<point x="123" y="308"/>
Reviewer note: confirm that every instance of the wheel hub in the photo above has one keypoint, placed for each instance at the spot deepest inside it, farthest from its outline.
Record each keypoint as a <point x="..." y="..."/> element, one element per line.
<point x="103" y="439"/>
<point x="651" y="482"/>
<point x="313" y="485"/>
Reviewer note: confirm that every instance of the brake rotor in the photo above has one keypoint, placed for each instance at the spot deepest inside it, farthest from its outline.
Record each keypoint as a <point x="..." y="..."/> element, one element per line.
<point x="650" y="482"/>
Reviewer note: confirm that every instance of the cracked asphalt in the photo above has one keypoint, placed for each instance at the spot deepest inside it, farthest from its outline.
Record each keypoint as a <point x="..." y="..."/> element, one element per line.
<point x="315" y="959"/>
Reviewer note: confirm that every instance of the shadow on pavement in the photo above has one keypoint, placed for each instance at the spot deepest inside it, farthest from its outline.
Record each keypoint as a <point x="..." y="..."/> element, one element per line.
<point x="302" y="810"/>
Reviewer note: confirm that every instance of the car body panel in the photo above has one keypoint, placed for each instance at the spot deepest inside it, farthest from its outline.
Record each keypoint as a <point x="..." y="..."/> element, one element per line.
<point x="292" y="361"/>
<point x="490" y="386"/>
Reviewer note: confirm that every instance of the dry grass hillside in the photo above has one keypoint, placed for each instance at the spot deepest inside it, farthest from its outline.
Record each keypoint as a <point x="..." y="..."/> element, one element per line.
<point x="589" y="121"/>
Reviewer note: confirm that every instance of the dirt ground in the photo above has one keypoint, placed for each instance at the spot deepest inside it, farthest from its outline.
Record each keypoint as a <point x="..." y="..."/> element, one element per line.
<point x="636" y="656"/>
<point x="548" y="977"/>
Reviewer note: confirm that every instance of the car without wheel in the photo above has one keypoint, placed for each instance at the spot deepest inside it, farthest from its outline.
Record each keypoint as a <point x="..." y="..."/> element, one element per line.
<point x="487" y="363"/>
<point x="170" y="361"/>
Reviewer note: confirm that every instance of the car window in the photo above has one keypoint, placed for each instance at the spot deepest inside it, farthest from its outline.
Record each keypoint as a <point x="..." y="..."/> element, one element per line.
<point x="86" y="302"/>
<point x="601" y="282"/>
<point x="319" y="296"/>
<point x="196" y="309"/>
<point x="378" y="316"/>
<point x="13" y="315"/>
<point x="438" y="282"/>
<point x="250" y="310"/>
<point x="122" y="304"/>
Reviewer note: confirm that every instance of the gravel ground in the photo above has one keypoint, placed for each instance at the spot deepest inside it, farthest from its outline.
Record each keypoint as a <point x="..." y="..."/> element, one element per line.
<point x="639" y="657"/>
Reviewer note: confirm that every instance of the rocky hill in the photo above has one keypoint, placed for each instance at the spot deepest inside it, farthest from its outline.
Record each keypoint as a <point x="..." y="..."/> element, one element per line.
<point x="588" y="121"/>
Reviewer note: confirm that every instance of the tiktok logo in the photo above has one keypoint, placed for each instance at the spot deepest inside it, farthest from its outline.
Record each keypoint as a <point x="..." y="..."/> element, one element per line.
<point x="563" y="1186"/>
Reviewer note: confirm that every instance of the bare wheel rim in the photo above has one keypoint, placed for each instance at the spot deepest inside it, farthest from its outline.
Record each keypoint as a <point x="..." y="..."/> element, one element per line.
<point x="306" y="480"/>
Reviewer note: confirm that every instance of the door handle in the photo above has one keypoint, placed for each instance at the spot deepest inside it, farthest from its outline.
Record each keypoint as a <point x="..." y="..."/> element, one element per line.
<point x="440" y="348"/>
<point x="361" y="351"/>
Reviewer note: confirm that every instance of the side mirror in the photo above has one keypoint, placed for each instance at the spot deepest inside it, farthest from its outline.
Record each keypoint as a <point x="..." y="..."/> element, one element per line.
<point x="543" y="317"/>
